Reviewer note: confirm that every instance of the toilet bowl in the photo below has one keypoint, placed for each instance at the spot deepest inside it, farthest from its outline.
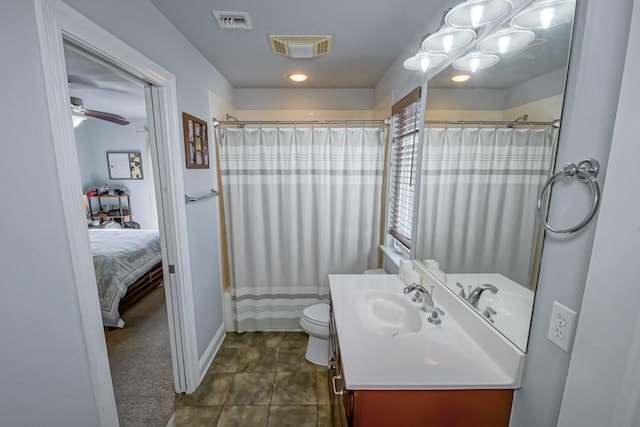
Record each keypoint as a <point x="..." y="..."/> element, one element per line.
<point x="315" y="322"/>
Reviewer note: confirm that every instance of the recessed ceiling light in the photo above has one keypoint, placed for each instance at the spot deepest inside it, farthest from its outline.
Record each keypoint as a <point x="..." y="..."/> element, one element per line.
<point x="297" y="77"/>
<point x="460" y="78"/>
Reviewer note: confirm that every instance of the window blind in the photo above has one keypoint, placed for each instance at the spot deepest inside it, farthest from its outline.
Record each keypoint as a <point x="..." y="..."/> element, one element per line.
<point x="403" y="166"/>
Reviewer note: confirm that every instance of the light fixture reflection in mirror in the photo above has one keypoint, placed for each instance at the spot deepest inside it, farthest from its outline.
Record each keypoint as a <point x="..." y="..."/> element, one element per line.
<point x="477" y="13"/>
<point x="544" y="14"/>
<point x="475" y="61"/>
<point x="423" y="61"/>
<point x="506" y="41"/>
<point x="449" y="39"/>
<point x="482" y="165"/>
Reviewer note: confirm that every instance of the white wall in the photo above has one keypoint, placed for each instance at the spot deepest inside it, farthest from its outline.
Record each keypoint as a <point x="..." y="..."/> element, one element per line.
<point x="44" y="370"/>
<point x="93" y="139"/>
<point x="588" y="118"/>
<point x="603" y="385"/>
<point x="289" y="99"/>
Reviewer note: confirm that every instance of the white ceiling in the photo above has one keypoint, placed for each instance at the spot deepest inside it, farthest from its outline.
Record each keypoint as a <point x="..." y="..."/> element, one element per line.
<point x="367" y="37"/>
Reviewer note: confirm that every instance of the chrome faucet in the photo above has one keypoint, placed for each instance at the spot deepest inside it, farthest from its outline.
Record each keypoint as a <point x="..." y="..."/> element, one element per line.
<point x="426" y="298"/>
<point x="428" y="305"/>
<point x="474" y="296"/>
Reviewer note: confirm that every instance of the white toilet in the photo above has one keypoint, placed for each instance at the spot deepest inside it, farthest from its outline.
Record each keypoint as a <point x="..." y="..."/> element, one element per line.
<point x="315" y="322"/>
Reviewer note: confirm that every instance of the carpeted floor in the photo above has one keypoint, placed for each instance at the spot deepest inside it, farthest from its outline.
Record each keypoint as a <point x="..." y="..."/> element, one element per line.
<point x="140" y="359"/>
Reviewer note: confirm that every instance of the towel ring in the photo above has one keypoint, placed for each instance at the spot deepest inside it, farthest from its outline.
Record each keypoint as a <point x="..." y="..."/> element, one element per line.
<point x="586" y="171"/>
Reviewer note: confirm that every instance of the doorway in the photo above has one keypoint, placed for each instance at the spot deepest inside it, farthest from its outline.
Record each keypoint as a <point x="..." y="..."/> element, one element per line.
<point x="109" y="113"/>
<point x="57" y="22"/>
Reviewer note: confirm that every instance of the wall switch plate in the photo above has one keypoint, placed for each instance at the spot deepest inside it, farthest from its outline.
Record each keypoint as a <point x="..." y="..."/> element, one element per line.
<point x="562" y="326"/>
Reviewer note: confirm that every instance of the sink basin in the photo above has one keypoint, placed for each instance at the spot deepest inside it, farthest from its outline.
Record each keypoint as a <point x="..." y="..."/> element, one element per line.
<point x="388" y="314"/>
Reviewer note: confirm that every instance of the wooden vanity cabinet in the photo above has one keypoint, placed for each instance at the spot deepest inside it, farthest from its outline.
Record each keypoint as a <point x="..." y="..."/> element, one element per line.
<point x="411" y="408"/>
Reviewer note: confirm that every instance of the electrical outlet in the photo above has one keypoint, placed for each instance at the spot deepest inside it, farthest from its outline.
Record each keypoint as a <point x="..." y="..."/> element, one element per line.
<point x="561" y="326"/>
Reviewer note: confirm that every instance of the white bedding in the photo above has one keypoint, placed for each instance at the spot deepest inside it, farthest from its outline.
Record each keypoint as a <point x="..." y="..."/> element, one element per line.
<point x="121" y="257"/>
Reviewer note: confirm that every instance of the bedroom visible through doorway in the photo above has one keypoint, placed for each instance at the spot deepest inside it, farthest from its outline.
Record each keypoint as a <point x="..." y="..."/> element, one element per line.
<point x="119" y="197"/>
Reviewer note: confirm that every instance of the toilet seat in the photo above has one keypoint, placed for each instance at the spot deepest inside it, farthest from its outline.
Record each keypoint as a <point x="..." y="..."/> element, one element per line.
<point x="317" y="314"/>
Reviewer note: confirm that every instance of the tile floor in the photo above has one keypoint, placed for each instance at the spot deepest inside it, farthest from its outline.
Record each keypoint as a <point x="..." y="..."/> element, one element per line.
<point x="259" y="379"/>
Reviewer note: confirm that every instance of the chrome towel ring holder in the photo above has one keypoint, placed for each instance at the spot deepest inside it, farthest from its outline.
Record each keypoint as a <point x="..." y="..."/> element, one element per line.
<point x="586" y="171"/>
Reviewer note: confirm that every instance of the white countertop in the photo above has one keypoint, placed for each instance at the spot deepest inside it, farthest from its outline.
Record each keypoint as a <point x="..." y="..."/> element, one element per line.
<point x="436" y="357"/>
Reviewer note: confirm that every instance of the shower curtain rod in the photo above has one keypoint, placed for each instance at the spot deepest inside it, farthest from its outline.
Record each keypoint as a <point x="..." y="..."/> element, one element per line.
<point x="296" y="122"/>
<point x="508" y="123"/>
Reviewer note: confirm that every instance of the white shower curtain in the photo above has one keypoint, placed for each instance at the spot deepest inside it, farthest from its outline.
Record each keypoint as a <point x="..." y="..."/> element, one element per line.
<point x="300" y="204"/>
<point x="478" y="193"/>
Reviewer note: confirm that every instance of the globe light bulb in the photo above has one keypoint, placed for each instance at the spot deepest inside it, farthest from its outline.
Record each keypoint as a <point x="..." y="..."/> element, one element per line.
<point x="447" y="43"/>
<point x="546" y="17"/>
<point x="476" y="14"/>
<point x="503" y="43"/>
<point x="473" y="64"/>
<point x="424" y="64"/>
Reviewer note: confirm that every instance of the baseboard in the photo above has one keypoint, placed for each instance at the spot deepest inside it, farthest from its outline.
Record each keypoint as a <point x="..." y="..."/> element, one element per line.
<point x="211" y="351"/>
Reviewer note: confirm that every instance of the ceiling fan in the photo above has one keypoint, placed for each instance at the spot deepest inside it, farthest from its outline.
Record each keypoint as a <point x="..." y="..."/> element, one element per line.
<point x="77" y="109"/>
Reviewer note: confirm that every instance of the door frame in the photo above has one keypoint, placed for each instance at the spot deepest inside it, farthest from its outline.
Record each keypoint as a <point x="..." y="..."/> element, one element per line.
<point x="56" y="22"/>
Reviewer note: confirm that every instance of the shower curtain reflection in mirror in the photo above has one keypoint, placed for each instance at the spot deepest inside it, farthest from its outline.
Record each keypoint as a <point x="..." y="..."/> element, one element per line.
<point x="478" y="191"/>
<point x="300" y="203"/>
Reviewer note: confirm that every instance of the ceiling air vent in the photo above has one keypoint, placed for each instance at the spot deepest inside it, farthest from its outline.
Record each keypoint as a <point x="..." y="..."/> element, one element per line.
<point x="300" y="46"/>
<point x="233" y="20"/>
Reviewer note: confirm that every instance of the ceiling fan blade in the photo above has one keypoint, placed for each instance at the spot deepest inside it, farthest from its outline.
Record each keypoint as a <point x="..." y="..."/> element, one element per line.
<point x="77" y="108"/>
<point x="110" y="117"/>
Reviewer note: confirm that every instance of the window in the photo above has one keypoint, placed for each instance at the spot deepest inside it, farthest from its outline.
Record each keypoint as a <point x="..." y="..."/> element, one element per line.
<point x="403" y="166"/>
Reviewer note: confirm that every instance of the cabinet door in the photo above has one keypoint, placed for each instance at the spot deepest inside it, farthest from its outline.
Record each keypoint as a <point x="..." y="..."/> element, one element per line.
<point x="341" y="398"/>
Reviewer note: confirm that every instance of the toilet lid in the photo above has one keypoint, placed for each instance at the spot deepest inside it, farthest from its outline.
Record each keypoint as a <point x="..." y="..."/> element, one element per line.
<point x="317" y="314"/>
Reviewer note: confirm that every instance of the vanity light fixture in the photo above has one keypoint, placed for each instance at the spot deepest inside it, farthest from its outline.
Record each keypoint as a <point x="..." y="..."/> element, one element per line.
<point x="506" y="41"/>
<point x="423" y="61"/>
<point x="461" y="78"/>
<point x="544" y="14"/>
<point x="475" y="61"/>
<point x="448" y="39"/>
<point x="477" y="13"/>
<point x="297" y="77"/>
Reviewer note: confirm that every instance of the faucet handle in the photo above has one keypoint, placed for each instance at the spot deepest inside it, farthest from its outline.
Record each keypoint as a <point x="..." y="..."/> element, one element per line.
<point x="435" y="316"/>
<point x="462" y="293"/>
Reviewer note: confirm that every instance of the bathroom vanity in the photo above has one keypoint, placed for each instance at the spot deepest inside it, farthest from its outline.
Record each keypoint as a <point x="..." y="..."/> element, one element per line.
<point x="389" y="369"/>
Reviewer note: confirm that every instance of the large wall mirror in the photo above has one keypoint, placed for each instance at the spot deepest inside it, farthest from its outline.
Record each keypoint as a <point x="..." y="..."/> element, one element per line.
<point x="492" y="123"/>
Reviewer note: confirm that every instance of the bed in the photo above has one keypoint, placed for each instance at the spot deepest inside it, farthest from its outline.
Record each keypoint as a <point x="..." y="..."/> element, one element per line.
<point x="128" y="265"/>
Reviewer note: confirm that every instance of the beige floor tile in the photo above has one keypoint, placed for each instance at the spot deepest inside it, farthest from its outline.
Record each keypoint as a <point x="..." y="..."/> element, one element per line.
<point x="226" y="360"/>
<point x="322" y="388"/>
<point x="324" y="416"/>
<point x="213" y="391"/>
<point x="258" y="359"/>
<point x="195" y="416"/>
<point x="293" y="416"/>
<point x="244" y="416"/>
<point x="293" y="360"/>
<point x="295" y="388"/>
<point x="251" y="389"/>
<point x="237" y="340"/>
<point x="294" y="340"/>
<point x="266" y="339"/>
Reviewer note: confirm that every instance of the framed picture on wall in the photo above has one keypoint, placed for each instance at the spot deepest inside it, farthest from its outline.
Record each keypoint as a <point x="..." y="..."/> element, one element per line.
<point x="196" y="142"/>
<point x="124" y="164"/>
